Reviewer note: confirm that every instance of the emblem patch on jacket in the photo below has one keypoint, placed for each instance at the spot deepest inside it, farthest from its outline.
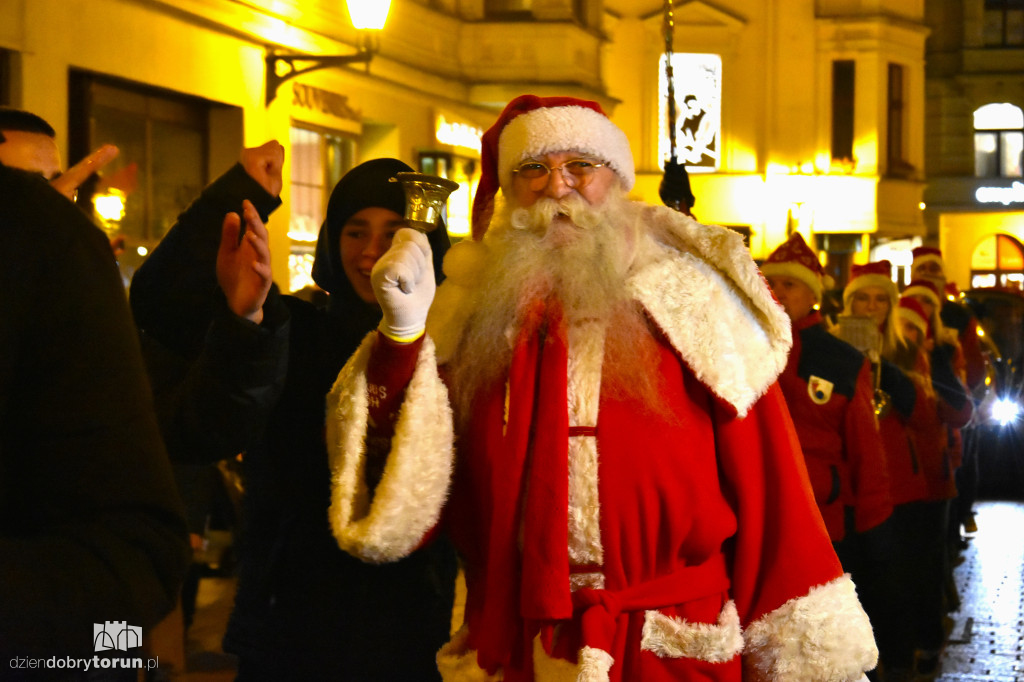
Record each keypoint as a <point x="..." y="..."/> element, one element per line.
<point x="819" y="389"/>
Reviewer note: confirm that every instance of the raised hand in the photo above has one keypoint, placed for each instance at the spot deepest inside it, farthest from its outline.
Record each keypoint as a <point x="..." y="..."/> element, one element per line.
<point x="243" y="263"/>
<point x="264" y="164"/>
<point x="67" y="183"/>
<point x="403" y="282"/>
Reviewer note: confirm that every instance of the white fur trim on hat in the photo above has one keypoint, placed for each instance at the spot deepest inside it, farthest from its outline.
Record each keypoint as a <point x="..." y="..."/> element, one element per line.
<point x="796" y="271"/>
<point x="922" y="291"/>
<point x="914" y="318"/>
<point x="562" y="129"/>
<point x="872" y="280"/>
<point x="926" y="258"/>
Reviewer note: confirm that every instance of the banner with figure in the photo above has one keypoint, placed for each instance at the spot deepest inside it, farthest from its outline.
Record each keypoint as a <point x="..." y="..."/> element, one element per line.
<point x="698" y="94"/>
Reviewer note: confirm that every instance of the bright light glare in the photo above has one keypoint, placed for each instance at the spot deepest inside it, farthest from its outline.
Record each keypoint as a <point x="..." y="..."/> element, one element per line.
<point x="1005" y="411"/>
<point x="369" y="14"/>
<point x="110" y="206"/>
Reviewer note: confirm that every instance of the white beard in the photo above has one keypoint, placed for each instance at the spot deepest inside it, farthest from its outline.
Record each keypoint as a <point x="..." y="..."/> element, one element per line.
<point x="566" y="250"/>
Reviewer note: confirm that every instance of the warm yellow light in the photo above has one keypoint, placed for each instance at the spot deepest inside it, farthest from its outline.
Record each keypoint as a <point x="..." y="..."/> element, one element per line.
<point x="369" y="14"/>
<point x="807" y="168"/>
<point x="981" y="332"/>
<point x="142" y="250"/>
<point x="922" y="206"/>
<point x="110" y="206"/>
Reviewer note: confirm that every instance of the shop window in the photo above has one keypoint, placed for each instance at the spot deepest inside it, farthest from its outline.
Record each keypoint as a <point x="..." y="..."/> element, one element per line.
<point x="460" y="169"/>
<point x="998" y="261"/>
<point x="1004" y="23"/>
<point x="843" y="73"/>
<point x="318" y="160"/>
<point x="998" y="141"/>
<point x="165" y="156"/>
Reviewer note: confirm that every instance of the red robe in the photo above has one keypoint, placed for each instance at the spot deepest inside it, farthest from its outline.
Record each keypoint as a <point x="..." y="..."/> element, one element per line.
<point x="683" y="536"/>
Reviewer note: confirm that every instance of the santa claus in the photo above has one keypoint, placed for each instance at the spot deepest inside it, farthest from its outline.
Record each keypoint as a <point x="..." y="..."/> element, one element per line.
<point x="590" y="410"/>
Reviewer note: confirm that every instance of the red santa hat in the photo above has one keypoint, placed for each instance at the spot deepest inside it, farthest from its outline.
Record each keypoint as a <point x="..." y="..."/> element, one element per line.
<point x="793" y="258"/>
<point x="877" y="274"/>
<point x="912" y="311"/>
<point x="923" y="254"/>
<point x="532" y="126"/>
<point x="923" y="287"/>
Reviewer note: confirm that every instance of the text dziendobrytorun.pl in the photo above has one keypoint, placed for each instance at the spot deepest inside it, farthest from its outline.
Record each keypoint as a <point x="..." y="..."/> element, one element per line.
<point x="85" y="664"/>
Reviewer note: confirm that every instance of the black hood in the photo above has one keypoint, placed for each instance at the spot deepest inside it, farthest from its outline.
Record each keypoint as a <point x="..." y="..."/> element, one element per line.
<point x="367" y="185"/>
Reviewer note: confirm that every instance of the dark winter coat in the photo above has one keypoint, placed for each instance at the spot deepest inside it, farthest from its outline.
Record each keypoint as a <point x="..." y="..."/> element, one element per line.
<point x="91" y="527"/>
<point x="304" y="609"/>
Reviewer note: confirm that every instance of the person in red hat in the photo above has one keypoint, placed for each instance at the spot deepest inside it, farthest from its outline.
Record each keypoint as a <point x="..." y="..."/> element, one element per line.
<point x="828" y="388"/>
<point x="929" y="265"/>
<point x="943" y="405"/>
<point x="596" y="382"/>
<point x="872" y="296"/>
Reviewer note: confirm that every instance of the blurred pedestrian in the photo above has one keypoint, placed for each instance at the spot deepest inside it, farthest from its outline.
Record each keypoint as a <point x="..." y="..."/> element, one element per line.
<point x="91" y="526"/>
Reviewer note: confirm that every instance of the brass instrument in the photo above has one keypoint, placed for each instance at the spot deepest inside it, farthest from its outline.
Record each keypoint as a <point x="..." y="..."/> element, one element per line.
<point x="862" y="333"/>
<point x="425" y="198"/>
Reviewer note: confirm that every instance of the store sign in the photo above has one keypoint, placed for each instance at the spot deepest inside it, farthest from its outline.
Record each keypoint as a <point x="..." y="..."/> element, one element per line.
<point x="324" y="101"/>
<point x="457" y="134"/>
<point x="1014" y="194"/>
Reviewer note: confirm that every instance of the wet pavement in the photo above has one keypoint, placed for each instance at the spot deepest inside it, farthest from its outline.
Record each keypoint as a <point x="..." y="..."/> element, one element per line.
<point x="986" y="642"/>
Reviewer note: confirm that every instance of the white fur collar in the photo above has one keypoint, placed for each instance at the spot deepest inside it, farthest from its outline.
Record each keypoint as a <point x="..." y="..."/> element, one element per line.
<point x="699" y="285"/>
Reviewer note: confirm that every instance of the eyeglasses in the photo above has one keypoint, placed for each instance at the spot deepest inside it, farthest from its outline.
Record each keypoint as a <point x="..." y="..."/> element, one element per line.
<point x="575" y="172"/>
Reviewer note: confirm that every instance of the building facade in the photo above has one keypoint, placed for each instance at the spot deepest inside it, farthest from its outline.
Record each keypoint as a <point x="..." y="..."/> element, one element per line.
<point x="975" y="140"/>
<point x="804" y="115"/>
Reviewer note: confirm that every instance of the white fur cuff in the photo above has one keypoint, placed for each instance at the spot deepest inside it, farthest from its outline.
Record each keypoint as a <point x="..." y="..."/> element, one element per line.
<point x="676" y="638"/>
<point x="408" y="500"/>
<point x="824" y="636"/>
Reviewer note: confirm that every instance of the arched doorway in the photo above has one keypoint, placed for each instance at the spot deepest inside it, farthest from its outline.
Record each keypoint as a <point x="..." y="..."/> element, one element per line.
<point x="998" y="261"/>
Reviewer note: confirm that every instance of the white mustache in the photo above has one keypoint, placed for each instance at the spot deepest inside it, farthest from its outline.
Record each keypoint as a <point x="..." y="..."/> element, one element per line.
<point x="539" y="216"/>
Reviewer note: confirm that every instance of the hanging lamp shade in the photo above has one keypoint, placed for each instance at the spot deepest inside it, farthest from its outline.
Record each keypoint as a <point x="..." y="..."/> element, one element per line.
<point x="369" y="14"/>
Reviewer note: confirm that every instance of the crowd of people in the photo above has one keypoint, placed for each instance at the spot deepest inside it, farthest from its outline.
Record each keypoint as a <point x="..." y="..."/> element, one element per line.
<point x="650" y="459"/>
<point x="880" y="395"/>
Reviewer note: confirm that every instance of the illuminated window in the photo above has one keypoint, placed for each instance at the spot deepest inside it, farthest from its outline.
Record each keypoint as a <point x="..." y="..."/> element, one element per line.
<point x="998" y="260"/>
<point x="164" y="141"/>
<point x="697" y="81"/>
<point x="462" y="170"/>
<point x="318" y="160"/>
<point x="998" y="141"/>
<point x="1004" y="23"/>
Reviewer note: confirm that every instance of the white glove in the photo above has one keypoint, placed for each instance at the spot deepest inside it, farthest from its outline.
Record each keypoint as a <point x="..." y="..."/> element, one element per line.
<point x="403" y="282"/>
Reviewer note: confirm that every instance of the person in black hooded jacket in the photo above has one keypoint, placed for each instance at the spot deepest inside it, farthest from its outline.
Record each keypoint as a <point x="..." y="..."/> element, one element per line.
<point x="304" y="609"/>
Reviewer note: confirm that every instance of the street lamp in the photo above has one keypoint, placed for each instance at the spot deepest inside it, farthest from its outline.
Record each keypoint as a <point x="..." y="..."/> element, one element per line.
<point x="368" y="17"/>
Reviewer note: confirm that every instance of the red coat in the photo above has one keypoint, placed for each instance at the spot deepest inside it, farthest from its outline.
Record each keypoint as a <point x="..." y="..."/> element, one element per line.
<point x="687" y="542"/>
<point x="933" y="439"/>
<point x="828" y="388"/>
